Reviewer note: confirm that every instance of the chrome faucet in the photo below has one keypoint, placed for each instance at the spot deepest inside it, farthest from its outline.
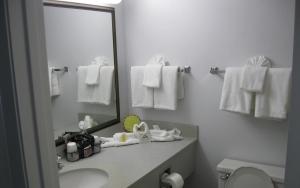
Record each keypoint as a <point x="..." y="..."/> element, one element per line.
<point x="60" y="165"/>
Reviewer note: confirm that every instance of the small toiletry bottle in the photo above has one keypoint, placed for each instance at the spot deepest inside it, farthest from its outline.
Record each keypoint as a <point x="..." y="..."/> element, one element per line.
<point x="72" y="152"/>
<point x="97" y="145"/>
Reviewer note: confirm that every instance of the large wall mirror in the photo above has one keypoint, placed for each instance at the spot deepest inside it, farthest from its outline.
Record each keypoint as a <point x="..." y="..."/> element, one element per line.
<point x="82" y="60"/>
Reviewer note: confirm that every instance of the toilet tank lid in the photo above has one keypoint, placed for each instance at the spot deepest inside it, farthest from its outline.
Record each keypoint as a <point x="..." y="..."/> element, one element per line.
<point x="229" y="165"/>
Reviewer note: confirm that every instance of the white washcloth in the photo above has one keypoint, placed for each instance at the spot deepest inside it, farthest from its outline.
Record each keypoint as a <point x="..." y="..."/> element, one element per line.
<point x="253" y="78"/>
<point x="166" y="97"/>
<point x="233" y="98"/>
<point x="152" y="75"/>
<point x="180" y="89"/>
<point x="98" y="94"/>
<point x="53" y="82"/>
<point x="92" y="76"/>
<point x="141" y="96"/>
<point x="273" y="102"/>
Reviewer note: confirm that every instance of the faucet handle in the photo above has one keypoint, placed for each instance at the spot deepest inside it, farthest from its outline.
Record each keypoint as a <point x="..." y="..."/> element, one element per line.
<point x="60" y="165"/>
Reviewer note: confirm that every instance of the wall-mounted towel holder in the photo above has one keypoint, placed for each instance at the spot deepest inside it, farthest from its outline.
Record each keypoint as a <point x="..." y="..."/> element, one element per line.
<point x="185" y="69"/>
<point x="63" y="69"/>
<point x="216" y="70"/>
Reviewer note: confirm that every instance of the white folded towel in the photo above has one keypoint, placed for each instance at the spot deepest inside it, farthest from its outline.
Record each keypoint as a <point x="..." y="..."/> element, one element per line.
<point x="98" y="94"/>
<point x="153" y="71"/>
<point x="141" y="96"/>
<point x="93" y="72"/>
<point x="53" y="82"/>
<point x="253" y="78"/>
<point x="152" y="75"/>
<point x="273" y="102"/>
<point x="166" y="97"/>
<point x="180" y="88"/>
<point x="165" y="136"/>
<point x="233" y="98"/>
<point x="104" y="91"/>
<point x="115" y="141"/>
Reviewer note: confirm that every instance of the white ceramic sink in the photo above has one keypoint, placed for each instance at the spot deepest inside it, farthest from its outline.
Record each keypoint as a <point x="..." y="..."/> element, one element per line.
<point x="83" y="178"/>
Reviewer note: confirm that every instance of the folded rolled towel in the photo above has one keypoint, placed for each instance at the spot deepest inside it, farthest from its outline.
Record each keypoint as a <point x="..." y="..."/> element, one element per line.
<point x="233" y="98"/>
<point x="117" y="141"/>
<point x="253" y="78"/>
<point x="165" y="136"/>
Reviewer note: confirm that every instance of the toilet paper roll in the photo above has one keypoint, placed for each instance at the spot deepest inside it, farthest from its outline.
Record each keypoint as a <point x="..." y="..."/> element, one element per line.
<point x="174" y="179"/>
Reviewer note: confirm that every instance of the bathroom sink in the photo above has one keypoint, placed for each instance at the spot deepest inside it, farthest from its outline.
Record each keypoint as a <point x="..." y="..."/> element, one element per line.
<point x="83" y="178"/>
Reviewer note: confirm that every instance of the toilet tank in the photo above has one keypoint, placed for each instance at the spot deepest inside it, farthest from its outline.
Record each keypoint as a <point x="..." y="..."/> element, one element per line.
<point x="227" y="166"/>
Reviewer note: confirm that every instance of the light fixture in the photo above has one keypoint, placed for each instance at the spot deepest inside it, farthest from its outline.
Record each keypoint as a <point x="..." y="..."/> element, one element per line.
<point x="94" y="2"/>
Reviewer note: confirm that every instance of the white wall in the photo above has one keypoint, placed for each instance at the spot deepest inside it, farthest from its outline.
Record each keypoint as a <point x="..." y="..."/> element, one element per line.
<point x="205" y="33"/>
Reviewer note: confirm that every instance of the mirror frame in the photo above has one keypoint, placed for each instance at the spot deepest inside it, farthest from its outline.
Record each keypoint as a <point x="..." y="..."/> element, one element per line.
<point x="110" y="10"/>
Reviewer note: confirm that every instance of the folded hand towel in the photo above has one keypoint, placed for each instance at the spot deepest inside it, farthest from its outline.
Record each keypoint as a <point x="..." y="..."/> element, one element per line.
<point x="141" y="96"/>
<point x="253" y="78"/>
<point x="98" y="94"/>
<point x="166" y="97"/>
<point x="165" y="136"/>
<point x="103" y="92"/>
<point x="152" y="75"/>
<point x="233" y="98"/>
<point x="53" y="82"/>
<point x="273" y="102"/>
<point x="92" y="76"/>
<point x="111" y="142"/>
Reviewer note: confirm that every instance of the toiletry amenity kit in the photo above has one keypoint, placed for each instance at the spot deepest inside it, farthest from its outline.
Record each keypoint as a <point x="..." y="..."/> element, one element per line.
<point x="82" y="145"/>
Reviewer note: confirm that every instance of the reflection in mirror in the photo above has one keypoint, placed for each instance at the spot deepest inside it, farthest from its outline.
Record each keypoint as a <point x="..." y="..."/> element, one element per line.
<point x="82" y="62"/>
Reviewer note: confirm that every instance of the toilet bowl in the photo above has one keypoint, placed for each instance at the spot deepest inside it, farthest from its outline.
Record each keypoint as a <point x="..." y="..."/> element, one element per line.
<point x="239" y="174"/>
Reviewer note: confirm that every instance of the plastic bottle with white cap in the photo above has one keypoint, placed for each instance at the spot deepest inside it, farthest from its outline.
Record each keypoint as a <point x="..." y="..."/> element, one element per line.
<point x="72" y="152"/>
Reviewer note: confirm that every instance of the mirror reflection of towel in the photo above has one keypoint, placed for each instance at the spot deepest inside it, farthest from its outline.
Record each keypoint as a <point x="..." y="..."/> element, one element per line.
<point x="53" y="82"/>
<point x="97" y="94"/>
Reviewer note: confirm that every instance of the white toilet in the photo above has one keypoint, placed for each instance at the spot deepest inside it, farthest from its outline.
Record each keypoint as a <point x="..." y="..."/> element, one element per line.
<point x="239" y="174"/>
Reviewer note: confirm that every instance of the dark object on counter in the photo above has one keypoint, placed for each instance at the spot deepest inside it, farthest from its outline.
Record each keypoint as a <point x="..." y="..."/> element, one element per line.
<point x="85" y="144"/>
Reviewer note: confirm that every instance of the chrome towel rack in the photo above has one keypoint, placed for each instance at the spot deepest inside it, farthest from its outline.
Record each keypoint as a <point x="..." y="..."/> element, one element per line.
<point x="216" y="70"/>
<point x="63" y="69"/>
<point x="185" y="69"/>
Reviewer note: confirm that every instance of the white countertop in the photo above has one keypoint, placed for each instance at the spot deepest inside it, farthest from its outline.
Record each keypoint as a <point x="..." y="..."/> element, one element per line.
<point x="126" y="165"/>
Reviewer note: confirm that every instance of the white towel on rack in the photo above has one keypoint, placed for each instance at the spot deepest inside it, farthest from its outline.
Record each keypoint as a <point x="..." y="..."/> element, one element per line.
<point x="253" y="78"/>
<point x="104" y="91"/>
<point x="93" y="72"/>
<point x="141" y="96"/>
<point x="273" y="102"/>
<point x="233" y="98"/>
<point x="180" y="88"/>
<point x="53" y="82"/>
<point x="97" y="94"/>
<point x="152" y="75"/>
<point x="166" y="96"/>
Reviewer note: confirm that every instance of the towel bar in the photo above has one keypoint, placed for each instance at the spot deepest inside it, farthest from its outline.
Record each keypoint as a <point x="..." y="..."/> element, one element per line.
<point x="63" y="69"/>
<point x="216" y="70"/>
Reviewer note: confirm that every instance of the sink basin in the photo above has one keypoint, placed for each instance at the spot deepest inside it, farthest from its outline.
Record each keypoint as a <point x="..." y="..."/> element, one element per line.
<point x="83" y="178"/>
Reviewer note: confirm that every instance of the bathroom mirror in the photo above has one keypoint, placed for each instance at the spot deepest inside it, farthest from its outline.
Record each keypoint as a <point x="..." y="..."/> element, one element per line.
<point x="82" y="60"/>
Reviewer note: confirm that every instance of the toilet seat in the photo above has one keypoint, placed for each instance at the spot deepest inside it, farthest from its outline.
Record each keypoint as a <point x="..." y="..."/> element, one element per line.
<point x="248" y="177"/>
